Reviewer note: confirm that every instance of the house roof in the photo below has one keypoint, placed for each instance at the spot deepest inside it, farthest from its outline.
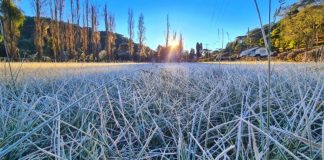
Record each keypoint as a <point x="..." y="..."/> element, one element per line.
<point x="248" y="52"/>
<point x="256" y="51"/>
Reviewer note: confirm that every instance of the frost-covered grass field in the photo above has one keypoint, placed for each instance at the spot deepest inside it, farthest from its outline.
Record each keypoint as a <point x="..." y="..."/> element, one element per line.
<point x="161" y="111"/>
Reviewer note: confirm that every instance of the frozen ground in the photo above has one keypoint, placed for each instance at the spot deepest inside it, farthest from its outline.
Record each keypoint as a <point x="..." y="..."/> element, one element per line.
<point x="63" y="70"/>
<point x="161" y="111"/>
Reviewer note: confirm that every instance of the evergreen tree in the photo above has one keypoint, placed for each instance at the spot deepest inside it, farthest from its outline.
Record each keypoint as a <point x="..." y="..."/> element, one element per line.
<point x="191" y="54"/>
<point x="199" y="49"/>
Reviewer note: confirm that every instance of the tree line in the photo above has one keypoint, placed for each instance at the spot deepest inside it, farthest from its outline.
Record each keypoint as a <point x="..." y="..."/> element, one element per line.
<point x="76" y="37"/>
<point x="300" y="30"/>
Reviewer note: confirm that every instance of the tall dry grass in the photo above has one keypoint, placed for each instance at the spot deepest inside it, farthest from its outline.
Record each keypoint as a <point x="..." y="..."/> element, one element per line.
<point x="174" y="111"/>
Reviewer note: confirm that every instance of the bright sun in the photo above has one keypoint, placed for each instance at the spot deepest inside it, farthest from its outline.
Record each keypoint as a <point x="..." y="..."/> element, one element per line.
<point x="174" y="43"/>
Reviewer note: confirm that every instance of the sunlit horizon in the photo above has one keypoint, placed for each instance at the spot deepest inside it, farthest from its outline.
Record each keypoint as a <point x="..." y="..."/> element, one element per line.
<point x="211" y="22"/>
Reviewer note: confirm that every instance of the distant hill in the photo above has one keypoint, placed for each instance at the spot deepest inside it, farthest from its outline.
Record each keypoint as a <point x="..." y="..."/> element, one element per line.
<point x="27" y="47"/>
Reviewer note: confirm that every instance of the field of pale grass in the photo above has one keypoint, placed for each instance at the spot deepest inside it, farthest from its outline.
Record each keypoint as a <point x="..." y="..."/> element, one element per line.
<point x="161" y="111"/>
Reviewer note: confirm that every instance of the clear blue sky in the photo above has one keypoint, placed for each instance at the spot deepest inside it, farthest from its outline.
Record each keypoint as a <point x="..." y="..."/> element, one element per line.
<point x="197" y="20"/>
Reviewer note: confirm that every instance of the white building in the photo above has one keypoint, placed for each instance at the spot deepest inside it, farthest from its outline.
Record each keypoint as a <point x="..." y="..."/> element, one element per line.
<point x="255" y="52"/>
